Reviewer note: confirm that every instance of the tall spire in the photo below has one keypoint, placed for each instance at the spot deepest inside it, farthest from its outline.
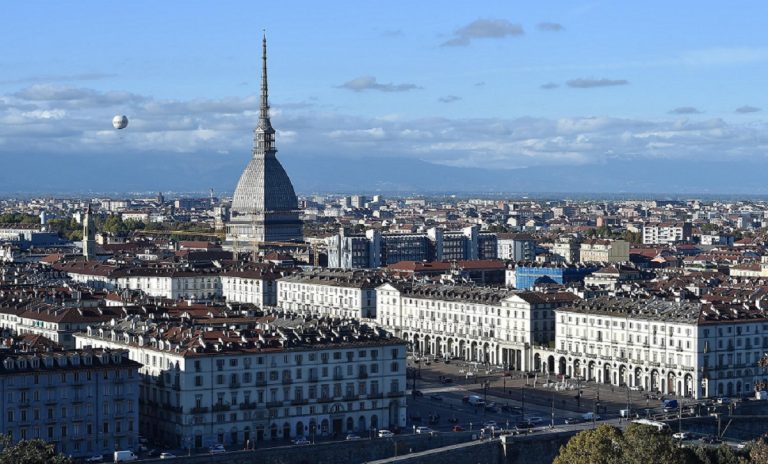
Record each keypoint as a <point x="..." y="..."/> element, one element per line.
<point x="264" y="134"/>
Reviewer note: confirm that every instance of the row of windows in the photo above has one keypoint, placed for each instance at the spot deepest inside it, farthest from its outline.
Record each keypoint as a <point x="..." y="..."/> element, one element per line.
<point x="234" y="378"/>
<point x="297" y="358"/>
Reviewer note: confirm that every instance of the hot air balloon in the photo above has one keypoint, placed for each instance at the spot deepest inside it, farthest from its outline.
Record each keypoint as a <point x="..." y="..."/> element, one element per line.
<point x="120" y="122"/>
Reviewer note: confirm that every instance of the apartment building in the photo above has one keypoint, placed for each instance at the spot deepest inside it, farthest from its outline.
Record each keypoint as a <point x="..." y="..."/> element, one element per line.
<point x="374" y="249"/>
<point x="85" y="402"/>
<point x="255" y="286"/>
<point x="605" y="251"/>
<point x="683" y="348"/>
<point x="336" y="293"/>
<point x="516" y="247"/>
<point x="481" y="324"/>
<point x="280" y="378"/>
<point x="667" y="233"/>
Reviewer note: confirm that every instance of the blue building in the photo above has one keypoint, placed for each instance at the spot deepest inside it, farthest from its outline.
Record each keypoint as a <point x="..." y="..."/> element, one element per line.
<point x="528" y="275"/>
<point x="84" y="402"/>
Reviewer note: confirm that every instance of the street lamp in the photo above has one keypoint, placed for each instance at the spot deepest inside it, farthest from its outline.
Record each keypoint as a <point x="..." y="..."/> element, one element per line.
<point x="552" y="424"/>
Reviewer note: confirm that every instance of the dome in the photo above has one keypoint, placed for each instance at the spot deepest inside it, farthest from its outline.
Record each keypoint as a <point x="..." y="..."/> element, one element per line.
<point x="264" y="186"/>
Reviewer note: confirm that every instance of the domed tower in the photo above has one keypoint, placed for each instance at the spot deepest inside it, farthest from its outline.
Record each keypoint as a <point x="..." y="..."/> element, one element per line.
<point x="265" y="207"/>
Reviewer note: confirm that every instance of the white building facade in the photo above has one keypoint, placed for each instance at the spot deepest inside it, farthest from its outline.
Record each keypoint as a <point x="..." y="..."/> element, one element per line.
<point x="215" y="388"/>
<point x="488" y="325"/>
<point x="345" y="294"/>
<point x="668" y="347"/>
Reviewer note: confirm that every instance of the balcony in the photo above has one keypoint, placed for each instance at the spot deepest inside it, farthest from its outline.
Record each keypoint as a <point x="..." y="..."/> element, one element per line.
<point x="352" y="397"/>
<point x="234" y="384"/>
<point x="245" y="406"/>
<point x="261" y="383"/>
<point x="325" y="399"/>
<point x="220" y="407"/>
<point x="287" y="381"/>
<point x="299" y="402"/>
<point x="199" y="410"/>
<point x="314" y="379"/>
<point x="274" y="404"/>
<point x="375" y="396"/>
<point x="338" y="377"/>
<point x="177" y="386"/>
<point x="395" y="394"/>
<point x="362" y="375"/>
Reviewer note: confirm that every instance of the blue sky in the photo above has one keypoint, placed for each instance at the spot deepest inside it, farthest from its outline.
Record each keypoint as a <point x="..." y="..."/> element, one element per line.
<point x="499" y="85"/>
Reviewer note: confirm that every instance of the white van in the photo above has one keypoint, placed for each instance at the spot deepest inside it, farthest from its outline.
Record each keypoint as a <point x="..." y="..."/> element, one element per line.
<point x="125" y="456"/>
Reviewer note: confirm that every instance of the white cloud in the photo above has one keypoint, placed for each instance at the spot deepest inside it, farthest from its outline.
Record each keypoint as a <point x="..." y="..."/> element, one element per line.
<point x="362" y="83"/>
<point x="484" y="29"/>
<point x="225" y="126"/>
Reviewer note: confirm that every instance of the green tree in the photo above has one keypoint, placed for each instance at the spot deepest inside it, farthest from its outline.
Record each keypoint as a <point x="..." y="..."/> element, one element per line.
<point x="602" y="445"/>
<point x="30" y="452"/>
<point x="19" y="218"/>
<point x="758" y="452"/>
<point x="638" y="444"/>
<point x="632" y="237"/>
<point x="645" y="444"/>
<point x="113" y="225"/>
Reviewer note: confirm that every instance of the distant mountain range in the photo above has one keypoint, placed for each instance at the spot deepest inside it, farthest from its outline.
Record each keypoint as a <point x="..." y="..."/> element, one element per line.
<point x="36" y="173"/>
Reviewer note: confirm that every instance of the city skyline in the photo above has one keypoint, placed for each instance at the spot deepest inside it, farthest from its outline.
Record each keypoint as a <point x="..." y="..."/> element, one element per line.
<point x="601" y="97"/>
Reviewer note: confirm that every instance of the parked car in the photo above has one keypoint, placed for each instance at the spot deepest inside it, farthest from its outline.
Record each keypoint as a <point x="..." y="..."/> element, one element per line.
<point x="301" y="441"/>
<point x="218" y="448"/>
<point x="95" y="459"/>
<point x="352" y="436"/>
<point x="457" y="428"/>
<point x="535" y="420"/>
<point x="385" y="434"/>
<point x="636" y="388"/>
<point x="418" y="393"/>
<point x="490" y="424"/>
<point x="447" y="380"/>
<point x="724" y="400"/>
<point x="436" y="397"/>
<point x="423" y="430"/>
<point x="523" y="425"/>
<point x="681" y="435"/>
<point x="573" y="420"/>
<point x="167" y="455"/>
<point x="710" y="439"/>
